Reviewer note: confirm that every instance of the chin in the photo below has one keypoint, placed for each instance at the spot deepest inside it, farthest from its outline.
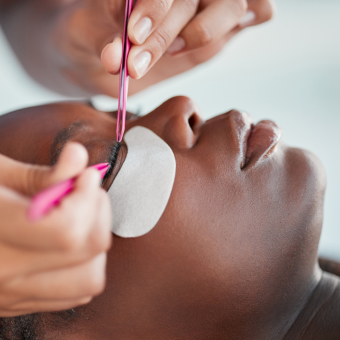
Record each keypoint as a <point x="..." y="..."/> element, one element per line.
<point x="317" y="172"/>
<point x="309" y="177"/>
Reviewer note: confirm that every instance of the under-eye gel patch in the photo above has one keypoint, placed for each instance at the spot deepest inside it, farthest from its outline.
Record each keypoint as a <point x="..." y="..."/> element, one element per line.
<point x="142" y="188"/>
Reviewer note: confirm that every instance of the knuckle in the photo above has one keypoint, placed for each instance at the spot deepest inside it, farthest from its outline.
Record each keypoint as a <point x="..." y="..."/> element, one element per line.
<point x="163" y="6"/>
<point x="203" y="34"/>
<point x="96" y="272"/>
<point x="241" y="6"/>
<point x="268" y="16"/>
<point x="73" y="226"/>
<point x="268" y="12"/>
<point x="190" y="5"/>
<point x="72" y="237"/>
<point x="101" y="241"/>
<point x="162" y="39"/>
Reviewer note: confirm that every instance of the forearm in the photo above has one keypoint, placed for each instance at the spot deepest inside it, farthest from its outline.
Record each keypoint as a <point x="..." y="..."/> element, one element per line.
<point x="30" y="27"/>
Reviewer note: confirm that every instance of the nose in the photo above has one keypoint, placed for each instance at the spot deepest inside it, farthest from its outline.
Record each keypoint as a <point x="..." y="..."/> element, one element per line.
<point x="177" y="122"/>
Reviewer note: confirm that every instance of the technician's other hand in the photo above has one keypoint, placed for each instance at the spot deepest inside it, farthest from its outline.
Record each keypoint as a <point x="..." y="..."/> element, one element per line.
<point x="59" y="262"/>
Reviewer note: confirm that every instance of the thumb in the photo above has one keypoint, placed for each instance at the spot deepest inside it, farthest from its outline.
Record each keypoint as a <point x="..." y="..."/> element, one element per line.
<point x="30" y="179"/>
<point x="112" y="56"/>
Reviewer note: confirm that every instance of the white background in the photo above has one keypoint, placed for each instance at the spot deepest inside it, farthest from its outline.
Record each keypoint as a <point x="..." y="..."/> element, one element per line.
<point x="287" y="70"/>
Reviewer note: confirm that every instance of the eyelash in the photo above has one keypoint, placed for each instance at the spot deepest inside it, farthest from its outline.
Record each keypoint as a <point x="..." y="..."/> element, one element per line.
<point x="112" y="160"/>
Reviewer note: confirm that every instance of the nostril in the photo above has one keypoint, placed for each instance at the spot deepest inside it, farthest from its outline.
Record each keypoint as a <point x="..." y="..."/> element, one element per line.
<point x="194" y="122"/>
<point x="183" y="123"/>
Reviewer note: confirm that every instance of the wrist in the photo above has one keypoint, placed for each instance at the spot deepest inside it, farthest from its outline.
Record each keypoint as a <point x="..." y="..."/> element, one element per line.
<point x="31" y="28"/>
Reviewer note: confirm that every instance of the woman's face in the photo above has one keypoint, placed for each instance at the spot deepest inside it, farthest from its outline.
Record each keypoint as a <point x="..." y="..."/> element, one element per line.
<point x="242" y="224"/>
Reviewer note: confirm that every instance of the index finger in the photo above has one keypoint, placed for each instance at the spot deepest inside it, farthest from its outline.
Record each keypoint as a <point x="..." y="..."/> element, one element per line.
<point x="212" y="23"/>
<point x="146" y="16"/>
<point x="65" y="226"/>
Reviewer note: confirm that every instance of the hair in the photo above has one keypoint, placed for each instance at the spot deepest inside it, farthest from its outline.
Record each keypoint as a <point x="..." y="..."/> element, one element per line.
<point x="36" y="326"/>
<point x="62" y="138"/>
<point x="19" y="328"/>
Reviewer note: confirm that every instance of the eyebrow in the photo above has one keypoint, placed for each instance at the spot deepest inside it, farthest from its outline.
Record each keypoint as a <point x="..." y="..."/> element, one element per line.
<point x="62" y="138"/>
<point x="66" y="134"/>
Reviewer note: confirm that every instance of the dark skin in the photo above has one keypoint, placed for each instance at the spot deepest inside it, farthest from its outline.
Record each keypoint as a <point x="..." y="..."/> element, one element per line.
<point x="234" y="255"/>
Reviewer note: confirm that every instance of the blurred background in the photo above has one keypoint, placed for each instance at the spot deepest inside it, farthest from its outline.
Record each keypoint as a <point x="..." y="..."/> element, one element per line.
<point x="287" y="70"/>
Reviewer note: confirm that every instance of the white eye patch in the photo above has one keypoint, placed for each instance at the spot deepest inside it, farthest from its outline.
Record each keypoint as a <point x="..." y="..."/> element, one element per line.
<point x="142" y="188"/>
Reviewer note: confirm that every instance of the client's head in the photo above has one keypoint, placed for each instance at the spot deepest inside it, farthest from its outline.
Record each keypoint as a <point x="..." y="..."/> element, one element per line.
<point x="236" y="245"/>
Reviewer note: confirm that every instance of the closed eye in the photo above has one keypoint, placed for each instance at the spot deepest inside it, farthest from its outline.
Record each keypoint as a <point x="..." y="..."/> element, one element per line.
<point x="112" y="160"/>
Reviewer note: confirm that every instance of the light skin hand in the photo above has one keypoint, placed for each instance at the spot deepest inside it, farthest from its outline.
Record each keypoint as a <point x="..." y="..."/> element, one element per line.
<point x="194" y="23"/>
<point x="59" y="262"/>
<point x="178" y="27"/>
<point x="78" y="44"/>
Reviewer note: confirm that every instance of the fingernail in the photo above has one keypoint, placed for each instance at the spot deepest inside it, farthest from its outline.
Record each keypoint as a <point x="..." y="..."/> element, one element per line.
<point x="141" y="62"/>
<point x="142" y="29"/>
<point x="247" y="19"/>
<point x="176" y="46"/>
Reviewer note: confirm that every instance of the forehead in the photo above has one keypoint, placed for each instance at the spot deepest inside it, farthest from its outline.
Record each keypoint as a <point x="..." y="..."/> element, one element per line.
<point x="30" y="135"/>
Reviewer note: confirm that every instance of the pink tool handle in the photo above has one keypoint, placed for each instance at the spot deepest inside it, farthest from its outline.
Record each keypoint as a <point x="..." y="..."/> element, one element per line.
<point x="124" y="77"/>
<point x="44" y="201"/>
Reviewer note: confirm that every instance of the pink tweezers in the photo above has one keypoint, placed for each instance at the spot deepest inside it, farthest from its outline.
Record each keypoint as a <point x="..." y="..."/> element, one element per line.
<point x="45" y="200"/>
<point x="124" y="77"/>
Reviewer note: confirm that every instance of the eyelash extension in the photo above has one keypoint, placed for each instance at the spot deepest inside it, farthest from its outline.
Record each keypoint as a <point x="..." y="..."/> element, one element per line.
<point x="114" y="150"/>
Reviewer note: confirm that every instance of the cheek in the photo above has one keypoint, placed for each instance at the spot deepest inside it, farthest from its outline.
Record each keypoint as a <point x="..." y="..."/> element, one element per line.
<point x="201" y="216"/>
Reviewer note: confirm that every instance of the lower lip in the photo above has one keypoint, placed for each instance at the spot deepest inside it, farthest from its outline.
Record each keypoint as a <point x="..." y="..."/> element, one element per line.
<point x="262" y="142"/>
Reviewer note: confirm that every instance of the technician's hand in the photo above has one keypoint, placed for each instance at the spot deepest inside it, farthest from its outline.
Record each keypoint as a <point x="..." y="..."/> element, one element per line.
<point x="59" y="262"/>
<point x="78" y="44"/>
<point x="178" y="27"/>
<point x="192" y="30"/>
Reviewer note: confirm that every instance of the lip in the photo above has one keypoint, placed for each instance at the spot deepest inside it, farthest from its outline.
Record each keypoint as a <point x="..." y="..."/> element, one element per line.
<point x="261" y="142"/>
<point x="255" y="143"/>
